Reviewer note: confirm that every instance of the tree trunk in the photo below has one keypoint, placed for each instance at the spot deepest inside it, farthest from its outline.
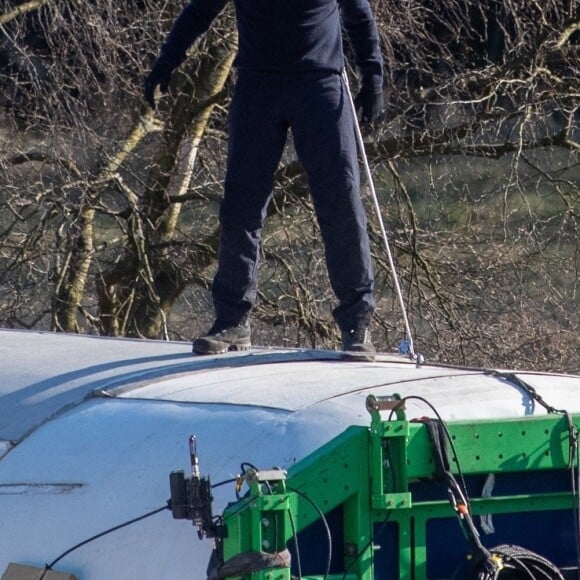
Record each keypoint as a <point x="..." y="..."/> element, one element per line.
<point x="138" y="293"/>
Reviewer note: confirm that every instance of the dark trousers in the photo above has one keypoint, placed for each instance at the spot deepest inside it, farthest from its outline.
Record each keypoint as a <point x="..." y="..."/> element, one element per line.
<point x="315" y="107"/>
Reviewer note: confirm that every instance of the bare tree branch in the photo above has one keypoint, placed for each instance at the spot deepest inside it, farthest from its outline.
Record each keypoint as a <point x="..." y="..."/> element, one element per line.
<point x="22" y="9"/>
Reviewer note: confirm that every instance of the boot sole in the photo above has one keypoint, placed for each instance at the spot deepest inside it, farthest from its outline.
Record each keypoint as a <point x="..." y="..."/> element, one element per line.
<point x="358" y="356"/>
<point x="215" y="349"/>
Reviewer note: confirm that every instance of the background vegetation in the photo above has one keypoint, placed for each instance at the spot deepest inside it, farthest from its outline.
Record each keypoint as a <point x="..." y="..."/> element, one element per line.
<point x="108" y="219"/>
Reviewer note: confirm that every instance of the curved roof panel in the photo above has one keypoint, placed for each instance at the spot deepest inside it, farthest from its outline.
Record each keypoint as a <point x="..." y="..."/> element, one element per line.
<point x="99" y="424"/>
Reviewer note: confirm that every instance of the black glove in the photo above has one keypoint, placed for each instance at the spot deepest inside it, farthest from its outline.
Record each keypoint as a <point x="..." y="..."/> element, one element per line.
<point x="159" y="76"/>
<point x="369" y="103"/>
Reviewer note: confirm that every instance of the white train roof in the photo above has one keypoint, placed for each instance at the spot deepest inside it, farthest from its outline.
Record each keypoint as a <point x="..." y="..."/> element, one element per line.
<point x="91" y="427"/>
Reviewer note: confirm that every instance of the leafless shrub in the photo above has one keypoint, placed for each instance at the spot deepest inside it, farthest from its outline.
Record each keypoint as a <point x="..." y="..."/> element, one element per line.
<point x="109" y="211"/>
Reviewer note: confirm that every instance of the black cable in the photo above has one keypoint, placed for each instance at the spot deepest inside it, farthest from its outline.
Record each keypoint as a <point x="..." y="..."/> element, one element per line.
<point x="247" y="464"/>
<point x="243" y="466"/>
<point x="324" y="521"/>
<point x="516" y="562"/>
<point x="480" y="553"/>
<point x="100" y="535"/>
<point x="296" y="544"/>
<point x="447" y="435"/>
<point x="231" y="480"/>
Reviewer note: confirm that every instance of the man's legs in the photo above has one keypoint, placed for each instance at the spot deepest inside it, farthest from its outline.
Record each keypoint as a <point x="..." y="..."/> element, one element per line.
<point x="323" y="129"/>
<point x="256" y="141"/>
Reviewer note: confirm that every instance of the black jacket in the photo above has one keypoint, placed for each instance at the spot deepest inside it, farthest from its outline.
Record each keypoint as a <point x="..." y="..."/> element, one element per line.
<point x="291" y="36"/>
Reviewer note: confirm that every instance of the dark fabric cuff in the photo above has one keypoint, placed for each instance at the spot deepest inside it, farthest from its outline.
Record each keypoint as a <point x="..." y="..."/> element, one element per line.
<point x="372" y="82"/>
<point x="170" y="57"/>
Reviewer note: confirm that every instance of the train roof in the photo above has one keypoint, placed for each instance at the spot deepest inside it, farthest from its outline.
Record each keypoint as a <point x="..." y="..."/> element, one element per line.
<point x="90" y="428"/>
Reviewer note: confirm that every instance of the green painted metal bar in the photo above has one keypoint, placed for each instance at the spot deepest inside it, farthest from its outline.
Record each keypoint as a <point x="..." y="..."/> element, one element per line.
<point x="507" y="446"/>
<point x="422" y="512"/>
<point x="371" y="472"/>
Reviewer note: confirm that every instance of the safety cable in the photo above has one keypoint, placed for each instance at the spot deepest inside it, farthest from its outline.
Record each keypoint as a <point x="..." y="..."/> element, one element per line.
<point x="296" y="544"/>
<point x="324" y="521"/>
<point x="457" y="498"/>
<point x="49" y="567"/>
<point x="224" y="482"/>
<point x="167" y="506"/>
<point x="360" y="141"/>
<point x="463" y="488"/>
<point x="511" y="562"/>
<point x="529" y="389"/>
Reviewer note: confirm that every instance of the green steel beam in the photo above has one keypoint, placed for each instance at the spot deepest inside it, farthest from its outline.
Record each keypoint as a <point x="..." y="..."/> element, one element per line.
<point x="508" y="445"/>
<point x="369" y="472"/>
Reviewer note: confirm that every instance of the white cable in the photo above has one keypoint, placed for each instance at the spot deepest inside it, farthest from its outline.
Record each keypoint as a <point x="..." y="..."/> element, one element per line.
<point x="361" y="146"/>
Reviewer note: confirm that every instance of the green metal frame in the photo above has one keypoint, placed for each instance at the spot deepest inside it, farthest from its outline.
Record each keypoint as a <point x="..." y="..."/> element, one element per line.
<point x="368" y="472"/>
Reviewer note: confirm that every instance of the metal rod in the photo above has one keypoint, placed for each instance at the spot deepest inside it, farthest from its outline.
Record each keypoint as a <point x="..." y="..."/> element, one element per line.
<point x="370" y="180"/>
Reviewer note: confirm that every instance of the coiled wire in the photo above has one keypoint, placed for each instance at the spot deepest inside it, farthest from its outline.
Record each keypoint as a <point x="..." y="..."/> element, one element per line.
<point x="509" y="562"/>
